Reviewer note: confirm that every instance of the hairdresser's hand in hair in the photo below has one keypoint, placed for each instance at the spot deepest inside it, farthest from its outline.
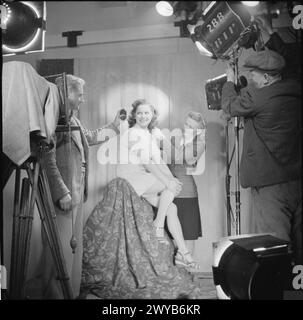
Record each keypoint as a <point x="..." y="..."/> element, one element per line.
<point x="264" y="23"/>
<point x="65" y="203"/>
<point x="203" y="124"/>
<point x="201" y="132"/>
<point x="230" y="73"/>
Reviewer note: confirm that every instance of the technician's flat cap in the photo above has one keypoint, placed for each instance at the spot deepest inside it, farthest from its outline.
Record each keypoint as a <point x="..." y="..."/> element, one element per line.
<point x="267" y="61"/>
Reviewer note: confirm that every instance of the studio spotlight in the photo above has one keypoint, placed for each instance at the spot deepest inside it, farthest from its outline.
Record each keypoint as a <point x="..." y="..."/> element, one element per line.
<point x="199" y="45"/>
<point x="165" y="8"/>
<point x="203" y="50"/>
<point x="221" y="27"/>
<point x="25" y="27"/>
<point x="250" y="3"/>
<point x="5" y="15"/>
<point x="252" y="267"/>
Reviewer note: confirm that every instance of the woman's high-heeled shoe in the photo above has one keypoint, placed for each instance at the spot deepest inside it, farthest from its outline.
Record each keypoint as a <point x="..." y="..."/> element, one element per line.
<point x="183" y="259"/>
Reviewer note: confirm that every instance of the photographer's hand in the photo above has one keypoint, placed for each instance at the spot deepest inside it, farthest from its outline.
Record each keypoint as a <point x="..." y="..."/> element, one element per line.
<point x="65" y="203"/>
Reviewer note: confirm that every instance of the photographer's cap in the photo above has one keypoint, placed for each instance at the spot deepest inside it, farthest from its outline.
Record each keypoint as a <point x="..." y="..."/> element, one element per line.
<point x="266" y="61"/>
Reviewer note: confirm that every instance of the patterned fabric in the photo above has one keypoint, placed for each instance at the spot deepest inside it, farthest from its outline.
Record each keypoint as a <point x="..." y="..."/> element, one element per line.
<point x="122" y="258"/>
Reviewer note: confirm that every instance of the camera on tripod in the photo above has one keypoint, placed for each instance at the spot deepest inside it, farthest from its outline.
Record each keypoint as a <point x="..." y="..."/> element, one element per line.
<point x="213" y="89"/>
<point x="31" y="110"/>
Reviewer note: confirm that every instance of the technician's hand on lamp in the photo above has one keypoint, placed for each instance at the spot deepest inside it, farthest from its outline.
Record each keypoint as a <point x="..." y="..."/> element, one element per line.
<point x="264" y="24"/>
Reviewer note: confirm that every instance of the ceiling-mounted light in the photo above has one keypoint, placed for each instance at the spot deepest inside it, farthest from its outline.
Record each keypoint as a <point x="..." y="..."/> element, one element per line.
<point x="165" y="8"/>
<point x="5" y="15"/>
<point x="250" y="3"/>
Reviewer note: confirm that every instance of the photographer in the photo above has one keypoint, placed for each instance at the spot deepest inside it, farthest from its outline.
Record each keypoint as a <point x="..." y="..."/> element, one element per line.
<point x="67" y="167"/>
<point x="271" y="157"/>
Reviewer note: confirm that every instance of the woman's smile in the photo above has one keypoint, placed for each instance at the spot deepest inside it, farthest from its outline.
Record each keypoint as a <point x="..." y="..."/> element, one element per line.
<point x="144" y="115"/>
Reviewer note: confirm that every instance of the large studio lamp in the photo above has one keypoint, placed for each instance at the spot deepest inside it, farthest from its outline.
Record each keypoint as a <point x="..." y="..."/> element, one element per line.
<point x="221" y="27"/>
<point x="252" y="267"/>
<point x="25" y="27"/>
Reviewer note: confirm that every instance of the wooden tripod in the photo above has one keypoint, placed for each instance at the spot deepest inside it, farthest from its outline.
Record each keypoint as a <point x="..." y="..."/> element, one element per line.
<point x="35" y="189"/>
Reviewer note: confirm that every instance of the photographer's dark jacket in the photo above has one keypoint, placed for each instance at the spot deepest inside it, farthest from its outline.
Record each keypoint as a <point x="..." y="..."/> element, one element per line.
<point x="272" y="131"/>
<point x="291" y="52"/>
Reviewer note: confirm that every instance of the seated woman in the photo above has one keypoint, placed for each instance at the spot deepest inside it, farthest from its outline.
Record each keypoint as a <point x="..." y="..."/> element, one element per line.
<point x="145" y="170"/>
<point x="122" y="255"/>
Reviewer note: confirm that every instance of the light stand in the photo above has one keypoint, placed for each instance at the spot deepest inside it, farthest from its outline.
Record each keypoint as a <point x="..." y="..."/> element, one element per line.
<point x="227" y="183"/>
<point x="234" y="58"/>
<point x="237" y="159"/>
<point x="237" y="176"/>
<point x="229" y="159"/>
<point x="213" y="90"/>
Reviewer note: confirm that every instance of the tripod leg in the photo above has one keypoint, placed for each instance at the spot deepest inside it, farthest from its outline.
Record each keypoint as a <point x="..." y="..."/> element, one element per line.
<point x="58" y="252"/>
<point x="23" y="244"/>
<point x="14" y="253"/>
<point x="18" y="279"/>
<point x="227" y="184"/>
<point x="48" y="219"/>
<point x="28" y="223"/>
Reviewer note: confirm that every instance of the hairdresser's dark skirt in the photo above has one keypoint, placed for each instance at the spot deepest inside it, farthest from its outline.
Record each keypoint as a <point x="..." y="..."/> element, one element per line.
<point x="189" y="216"/>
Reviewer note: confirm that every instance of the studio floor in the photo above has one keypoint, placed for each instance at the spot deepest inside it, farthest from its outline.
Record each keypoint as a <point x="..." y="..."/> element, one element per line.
<point x="204" y="278"/>
<point x="207" y="284"/>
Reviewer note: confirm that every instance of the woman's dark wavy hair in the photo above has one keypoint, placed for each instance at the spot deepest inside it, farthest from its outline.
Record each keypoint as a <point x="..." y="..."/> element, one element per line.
<point x="132" y="115"/>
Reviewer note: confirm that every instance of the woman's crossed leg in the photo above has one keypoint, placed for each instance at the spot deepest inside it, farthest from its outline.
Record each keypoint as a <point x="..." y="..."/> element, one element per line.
<point x="162" y="198"/>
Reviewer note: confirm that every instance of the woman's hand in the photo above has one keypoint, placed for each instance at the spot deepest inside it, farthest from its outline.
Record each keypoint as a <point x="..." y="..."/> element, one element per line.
<point x="175" y="186"/>
<point x="201" y="133"/>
